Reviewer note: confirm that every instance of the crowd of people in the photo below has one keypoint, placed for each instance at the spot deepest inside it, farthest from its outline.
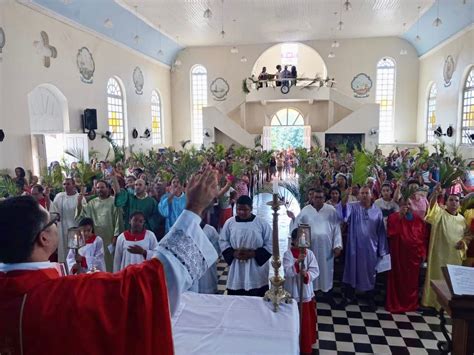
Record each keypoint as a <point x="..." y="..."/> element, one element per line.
<point x="285" y="77"/>
<point x="402" y="214"/>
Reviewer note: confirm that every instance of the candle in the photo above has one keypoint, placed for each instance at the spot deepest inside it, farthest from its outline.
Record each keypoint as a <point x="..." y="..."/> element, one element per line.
<point x="303" y="239"/>
<point x="275" y="186"/>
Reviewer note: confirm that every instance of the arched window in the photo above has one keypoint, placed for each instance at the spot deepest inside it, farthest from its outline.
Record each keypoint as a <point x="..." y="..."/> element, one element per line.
<point x="156" y="134"/>
<point x="116" y="111"/>
<point x="287" y="117"/>
<point x="467" y="121"/>
<point x="287" y="129"/>
<point x="198" y="101"/>
<point x="431" y="113"/>
<point x="384" y="96"/>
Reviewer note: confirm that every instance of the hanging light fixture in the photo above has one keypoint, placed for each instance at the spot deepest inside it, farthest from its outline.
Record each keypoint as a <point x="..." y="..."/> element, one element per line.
<point x="108" y="23"/>
<point x="335" y="44"/>
<point x="437" y="21"/>
<point x="160" y="51"/>
<point x="418" y="38"/>
<point x="403" y="51"/>
<point x="340" y="24"/>
<point x="234" y="50"/>
<point x="347" y="5"/>
<point x="136" y="38"/>
<point x="243" y="59"/>
<point x="331" y="55"/>
<point x="222" y="21"/>
<point x="207" y="14"/>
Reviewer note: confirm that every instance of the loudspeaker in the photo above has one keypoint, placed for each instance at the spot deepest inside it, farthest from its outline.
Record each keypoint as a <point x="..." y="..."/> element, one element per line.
<point x="90" y="119"/>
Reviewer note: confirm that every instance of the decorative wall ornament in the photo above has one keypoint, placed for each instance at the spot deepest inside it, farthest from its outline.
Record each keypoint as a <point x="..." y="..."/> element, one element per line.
<point x="219" y="89"/>
<point x="448" y="70"/>
<point x="138" y="80"/>
<point x="85" y="64"/>
<point x="361" y="85"/>
<point x="44" y="49"/>
<point x="2" y="39"/>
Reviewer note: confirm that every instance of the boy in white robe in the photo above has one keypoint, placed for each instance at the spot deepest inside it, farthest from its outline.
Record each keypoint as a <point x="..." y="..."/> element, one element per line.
<point x="246" y="244"/>
<point x="91" y="256"/>
<point x="293" y="278"/>
<point x="134" y="245"/>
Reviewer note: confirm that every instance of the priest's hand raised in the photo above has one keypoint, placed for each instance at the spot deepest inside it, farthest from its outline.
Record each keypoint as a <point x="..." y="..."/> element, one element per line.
<point x="200" y="191"/>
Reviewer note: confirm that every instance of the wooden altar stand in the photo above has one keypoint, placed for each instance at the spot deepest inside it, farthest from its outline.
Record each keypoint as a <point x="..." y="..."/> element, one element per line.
<point x="461" y="311"/>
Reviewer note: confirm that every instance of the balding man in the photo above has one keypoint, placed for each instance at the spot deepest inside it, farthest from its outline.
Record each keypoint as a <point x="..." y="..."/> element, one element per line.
<point x="136" y="201"/>
<point x="366" y="244"/>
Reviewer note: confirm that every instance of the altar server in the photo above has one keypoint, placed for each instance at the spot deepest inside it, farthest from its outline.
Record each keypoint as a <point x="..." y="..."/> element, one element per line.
<point x="246" y="244"/>
<point x="91" y="256"/>
<point x="293" y="273"/>
<point x="134" y="245"/>
<point x="326" y="240"/>
<point x="124" y="313"/>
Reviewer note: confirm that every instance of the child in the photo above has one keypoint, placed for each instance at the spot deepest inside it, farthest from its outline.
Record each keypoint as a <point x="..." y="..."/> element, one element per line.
<point x="90" y="256"/>
<point x="134" y="245"/>
<point x="291" y="265"/>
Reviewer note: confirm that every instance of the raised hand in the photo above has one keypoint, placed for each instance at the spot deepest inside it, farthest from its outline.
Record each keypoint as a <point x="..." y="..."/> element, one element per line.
<point x="201" y="191"/>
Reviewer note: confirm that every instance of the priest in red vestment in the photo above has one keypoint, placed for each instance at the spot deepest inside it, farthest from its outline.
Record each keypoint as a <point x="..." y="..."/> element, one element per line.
<point x="99" y="313"/>
<point x="407" y="240"/>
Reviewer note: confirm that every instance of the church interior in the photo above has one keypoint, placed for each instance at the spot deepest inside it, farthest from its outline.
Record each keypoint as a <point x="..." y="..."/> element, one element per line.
<point x="294" y="91"/>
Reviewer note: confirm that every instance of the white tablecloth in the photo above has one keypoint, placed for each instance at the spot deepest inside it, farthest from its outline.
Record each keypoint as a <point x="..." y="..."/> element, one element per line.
<point x="216" y="324"/>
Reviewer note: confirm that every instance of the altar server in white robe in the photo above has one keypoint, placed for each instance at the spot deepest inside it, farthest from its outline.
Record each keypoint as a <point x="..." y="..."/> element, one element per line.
<point x="208" y="282"/>
<point x="134" y="245"/>
<point x="65" y="204"/>
<point x="91" y="256"/>
<point x="326" y="240"/>
<point x="246" y="244"/>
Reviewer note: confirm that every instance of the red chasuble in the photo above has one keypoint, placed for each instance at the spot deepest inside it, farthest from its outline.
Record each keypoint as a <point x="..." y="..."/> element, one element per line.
<point x="100" y="313"/>
<point x="407" y="249"/>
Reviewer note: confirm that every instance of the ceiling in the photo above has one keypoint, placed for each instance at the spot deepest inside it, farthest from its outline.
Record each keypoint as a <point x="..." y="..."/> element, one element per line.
<point x="270" y="21"/>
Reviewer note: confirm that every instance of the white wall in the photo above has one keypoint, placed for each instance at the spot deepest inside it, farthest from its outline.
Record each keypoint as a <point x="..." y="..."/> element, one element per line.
<point x="448" y="100"/>
<point x="352" y="57"/>
<point x="22" y="70"/>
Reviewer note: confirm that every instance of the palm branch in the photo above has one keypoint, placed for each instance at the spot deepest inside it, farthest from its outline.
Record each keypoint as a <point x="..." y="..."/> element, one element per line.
<point x="361" y="167"/>
<point x="8" y="187"/>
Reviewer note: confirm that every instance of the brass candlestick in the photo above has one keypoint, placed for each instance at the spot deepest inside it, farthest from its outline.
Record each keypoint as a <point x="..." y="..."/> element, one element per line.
<point x="276" y="294"/>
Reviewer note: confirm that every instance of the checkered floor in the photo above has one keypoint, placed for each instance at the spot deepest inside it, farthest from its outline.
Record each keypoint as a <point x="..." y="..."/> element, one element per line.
<point x="356" y="330"/>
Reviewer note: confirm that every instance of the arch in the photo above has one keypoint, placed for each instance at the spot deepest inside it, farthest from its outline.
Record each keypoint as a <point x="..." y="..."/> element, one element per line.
<point x="467" y="107"/>
<point x="310" y="62"/>
<point x="431" y="111"/>
<point x="156" y="118"/>
<point x="48" y="108"/>
<point x="287" y="116"/>
<point x="198" y="74"/>
<point x="385" y="97"/>
<point x="116" y="110"/>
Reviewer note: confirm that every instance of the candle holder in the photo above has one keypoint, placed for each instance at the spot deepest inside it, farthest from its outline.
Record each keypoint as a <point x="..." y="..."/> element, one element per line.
<point x="276" y="294"/>
<point x="75" y="240"/>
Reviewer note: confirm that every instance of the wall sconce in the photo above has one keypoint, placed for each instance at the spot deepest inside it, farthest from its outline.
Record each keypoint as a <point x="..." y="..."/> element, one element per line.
<point x="134" y="133"/>
<point x="438" y="132"/>
<point x="146" y="134"/>
<point x="373" y="132"/>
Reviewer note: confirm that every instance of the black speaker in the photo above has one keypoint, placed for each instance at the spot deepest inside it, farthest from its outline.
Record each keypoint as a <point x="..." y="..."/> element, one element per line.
<point x="90" y="119"/>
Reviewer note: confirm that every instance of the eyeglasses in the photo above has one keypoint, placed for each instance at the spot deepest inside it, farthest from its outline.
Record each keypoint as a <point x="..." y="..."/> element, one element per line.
<point x="54" y="218"/>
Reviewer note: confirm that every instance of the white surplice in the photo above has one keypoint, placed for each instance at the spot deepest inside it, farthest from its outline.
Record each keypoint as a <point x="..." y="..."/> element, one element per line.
<point x="325" y="236"/>
<point x="94" y="254"/>
<point x="65" y="205"/>
<point x="293" y="278"/>
<point x="246" y="275"/>
<point x="123" y="257"/>
<point x="208" y="282"/>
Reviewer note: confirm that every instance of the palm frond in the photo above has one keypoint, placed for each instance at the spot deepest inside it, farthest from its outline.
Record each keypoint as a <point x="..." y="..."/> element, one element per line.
<point x="8" y="187"/>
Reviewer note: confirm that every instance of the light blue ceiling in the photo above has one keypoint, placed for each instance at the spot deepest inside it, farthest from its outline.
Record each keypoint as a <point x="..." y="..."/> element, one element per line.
<point x="93" y="13"/>
<point x="455" y="16"/>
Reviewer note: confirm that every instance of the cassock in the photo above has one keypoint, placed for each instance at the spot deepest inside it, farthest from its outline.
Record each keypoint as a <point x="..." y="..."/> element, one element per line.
<point x="106" y="219"/>
<point x="255" y="234"/>
<point x="123" y="258"/>
<point x="171" y="211"/>
<point x="208" y="282"/>
<point x="293" y="281"/>
<point x="65" y="205"/>
<point x="93" y="253"/>
<point x="325" y="237"/>
<point x="102" y="313"/>
<point x="407" y="240"/>
<point x="366" y="244"/>
<point x="130" y="203"/>
<point x="446" y="231"/>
